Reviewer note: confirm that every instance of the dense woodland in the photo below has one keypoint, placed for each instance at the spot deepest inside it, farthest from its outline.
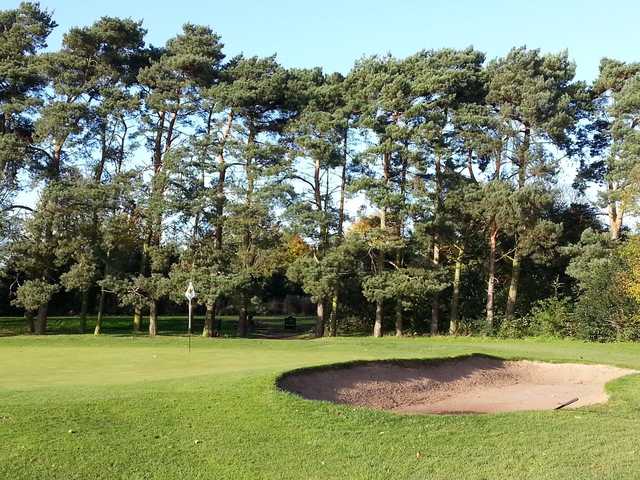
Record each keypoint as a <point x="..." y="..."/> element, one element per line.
<point x="426" y="194"/>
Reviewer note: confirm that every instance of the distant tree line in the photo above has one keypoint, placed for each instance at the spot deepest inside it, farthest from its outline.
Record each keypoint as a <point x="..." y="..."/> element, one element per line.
<point x="153" y="166"/>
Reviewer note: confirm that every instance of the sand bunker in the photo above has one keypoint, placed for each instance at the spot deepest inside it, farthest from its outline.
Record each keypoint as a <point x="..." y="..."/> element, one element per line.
<point x="471" y="384"/>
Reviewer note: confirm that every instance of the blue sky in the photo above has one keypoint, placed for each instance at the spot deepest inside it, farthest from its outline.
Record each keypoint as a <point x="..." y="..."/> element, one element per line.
<point x="333" y="33"/>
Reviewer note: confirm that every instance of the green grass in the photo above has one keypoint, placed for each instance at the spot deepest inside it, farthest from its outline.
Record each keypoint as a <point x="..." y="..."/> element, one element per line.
<point x="136" y="407"/>
<point x="167" y="324"/>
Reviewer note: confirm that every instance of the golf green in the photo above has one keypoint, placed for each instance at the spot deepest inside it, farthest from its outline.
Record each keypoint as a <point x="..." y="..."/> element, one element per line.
<point x="81" y="407"/>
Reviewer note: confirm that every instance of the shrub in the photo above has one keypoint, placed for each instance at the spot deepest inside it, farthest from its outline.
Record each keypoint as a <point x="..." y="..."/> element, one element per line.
<point x="606" y="308"/>
<point x="475" y="326"/>
<point x="552" y="317"/>
<point x="515" y="328"/>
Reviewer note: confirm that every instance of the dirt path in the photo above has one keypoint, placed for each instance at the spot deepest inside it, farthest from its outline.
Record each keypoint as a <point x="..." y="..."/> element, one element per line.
<point x="473" y="384"/>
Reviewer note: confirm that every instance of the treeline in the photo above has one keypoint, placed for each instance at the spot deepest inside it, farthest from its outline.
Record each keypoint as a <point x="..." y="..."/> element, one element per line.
<point x="153" y="166"/>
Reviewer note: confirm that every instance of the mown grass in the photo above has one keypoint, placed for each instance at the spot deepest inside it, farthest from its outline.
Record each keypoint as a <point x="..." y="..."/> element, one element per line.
<point x="167" y="325"/>
<point x="79" y="407"/>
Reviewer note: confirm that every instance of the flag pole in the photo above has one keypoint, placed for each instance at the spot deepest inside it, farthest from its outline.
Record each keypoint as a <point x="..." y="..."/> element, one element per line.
<point x="190" y="294"/>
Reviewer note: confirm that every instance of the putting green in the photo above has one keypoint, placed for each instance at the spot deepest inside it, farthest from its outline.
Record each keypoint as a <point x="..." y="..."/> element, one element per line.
<point x="117" y="407"/>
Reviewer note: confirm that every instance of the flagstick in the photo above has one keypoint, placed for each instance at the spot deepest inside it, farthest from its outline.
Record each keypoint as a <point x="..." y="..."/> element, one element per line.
<point x="189" y="325"/>
<point x="190" y="294"/>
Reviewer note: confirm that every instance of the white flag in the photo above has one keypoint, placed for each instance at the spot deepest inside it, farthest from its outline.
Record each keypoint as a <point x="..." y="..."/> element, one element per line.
<point x="191" y="292"/>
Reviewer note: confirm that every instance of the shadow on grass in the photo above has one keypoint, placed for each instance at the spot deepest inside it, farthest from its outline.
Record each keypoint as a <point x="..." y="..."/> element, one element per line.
<point x="169" y="325"/>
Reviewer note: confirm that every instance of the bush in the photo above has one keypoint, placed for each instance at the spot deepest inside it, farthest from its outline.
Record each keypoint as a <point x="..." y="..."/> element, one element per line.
<point x="605" y="317"/>
<point x="354" y="325"/>
<point x="475" y="326"/>
<point x="606" y="309"/>
<point x="552" y="317"/>
<point x="515" y="328"/>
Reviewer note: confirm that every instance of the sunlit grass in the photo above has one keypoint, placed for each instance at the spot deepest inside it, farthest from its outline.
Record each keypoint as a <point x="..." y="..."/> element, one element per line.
<point x="133" y="407"/>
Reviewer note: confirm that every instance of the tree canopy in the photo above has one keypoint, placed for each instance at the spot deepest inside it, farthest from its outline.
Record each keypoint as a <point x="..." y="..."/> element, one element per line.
<point x="416" y="194"/>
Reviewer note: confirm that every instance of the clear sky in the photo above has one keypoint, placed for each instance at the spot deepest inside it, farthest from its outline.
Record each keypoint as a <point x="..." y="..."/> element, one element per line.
<point x="333" y="33"/>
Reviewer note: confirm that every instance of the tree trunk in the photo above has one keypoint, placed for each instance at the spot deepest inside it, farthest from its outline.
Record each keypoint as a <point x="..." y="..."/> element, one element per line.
<point x="209" y="320"/>
<point x="492" y="275"/>
<point x="333" y="317"/>
<point x="243" y="320"/>
<point x="137" y="319"/>
<point x="435" y="314"/>
<point x="515" y="271"/>
<point x="317" y="187"/>
<point x="320" y="318"/>
<point x="343" y="187"/>
<point x="377" y="327"/>
<point x="379" y="261"/>
<point x="220" y="201"/>
<point x="153" y="318"/>
<point x="523" y="159"/>
<point x="99" y="171"/>
<point x="220" y="188"/>
<point x="455" y="296"/>
<point x="28" y="320"/>
<point x="56" y="160"/>
<point x="158" y="186"/>
<point x="103" y="295"/>
<point x="41" y="320"/>
<point x="98" y="328"/>
<point x="398" y="320"/>
<point x="513" y="286"/>
<point x="615" y="211"/>
<point x="470" y="166"/>
<point x="435" y="303"/>
<point x="84" y="306"/>
<point x="121" y="148"/>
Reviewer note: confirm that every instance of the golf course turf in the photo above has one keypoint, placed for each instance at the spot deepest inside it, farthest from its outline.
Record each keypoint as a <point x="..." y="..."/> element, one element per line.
<point x="84" y="407"/>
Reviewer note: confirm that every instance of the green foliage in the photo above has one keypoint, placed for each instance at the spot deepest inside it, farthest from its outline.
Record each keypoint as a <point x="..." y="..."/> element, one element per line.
<point x="23" y="34"/>
<point x="210" y="282"/>
<point x="604" y="311"/>
<point x="32" y="294"/>
<point x="549" y="317"/>
<point x="80" y="276"/>
<point x="536" y="91"/>
<point x="553" y="317"/>
<point x="138" y="291"/>
<point x="154" y="166"/>
<point x="513" y="327"/>
<point x="408" y="286"/>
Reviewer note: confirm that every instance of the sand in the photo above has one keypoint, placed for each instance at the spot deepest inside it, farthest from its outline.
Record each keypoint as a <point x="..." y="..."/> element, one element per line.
<point x="471" y="384"/>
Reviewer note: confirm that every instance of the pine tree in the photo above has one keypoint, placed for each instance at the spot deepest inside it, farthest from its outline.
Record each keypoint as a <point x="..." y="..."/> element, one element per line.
<point x="537" y="104"/>
<point x="612" y="163"/>
<point x="317" y="143"/>
<point x="258" y="99"/>
<point x="172" y="86"/>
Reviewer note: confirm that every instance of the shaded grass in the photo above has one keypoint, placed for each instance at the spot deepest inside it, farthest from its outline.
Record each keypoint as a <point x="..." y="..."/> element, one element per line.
<point x="137" y="406"/>
<point x="167" y="325"/>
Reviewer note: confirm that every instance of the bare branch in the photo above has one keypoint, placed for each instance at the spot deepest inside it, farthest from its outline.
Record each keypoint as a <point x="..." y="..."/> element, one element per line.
<point x="14" y="207"/>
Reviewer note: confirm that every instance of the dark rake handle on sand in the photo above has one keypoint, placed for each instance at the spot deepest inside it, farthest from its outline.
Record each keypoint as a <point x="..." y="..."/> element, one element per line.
<point x="562" y="405"/>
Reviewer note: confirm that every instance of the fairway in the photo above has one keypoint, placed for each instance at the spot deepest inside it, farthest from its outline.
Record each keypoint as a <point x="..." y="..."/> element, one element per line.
<point x="122" y="407"/>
